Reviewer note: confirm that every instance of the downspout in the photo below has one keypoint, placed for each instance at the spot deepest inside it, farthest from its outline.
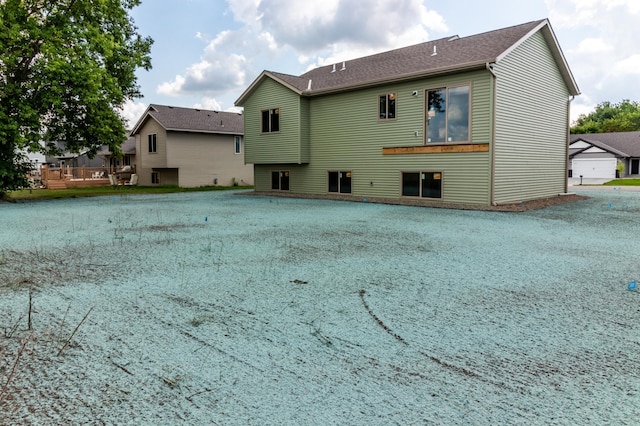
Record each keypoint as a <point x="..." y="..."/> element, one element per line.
<point x="492" y="176"/>
<point x="566" y="165"/>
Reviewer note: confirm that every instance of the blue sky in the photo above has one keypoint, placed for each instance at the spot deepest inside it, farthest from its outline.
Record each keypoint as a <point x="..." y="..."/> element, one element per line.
<point x="206" y="52"/>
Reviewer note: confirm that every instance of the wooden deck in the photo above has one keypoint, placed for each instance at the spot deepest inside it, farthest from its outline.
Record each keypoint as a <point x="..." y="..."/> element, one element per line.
<point x="75" y="177"/>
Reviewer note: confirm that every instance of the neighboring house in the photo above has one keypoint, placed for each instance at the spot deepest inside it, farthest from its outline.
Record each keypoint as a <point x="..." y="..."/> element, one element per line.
<point x="477" y="120"/>
<point x="75" y="159"/>
<point x="128" y="157"/>
<point x="190" y="147"/>
<point x="596" y="155"/>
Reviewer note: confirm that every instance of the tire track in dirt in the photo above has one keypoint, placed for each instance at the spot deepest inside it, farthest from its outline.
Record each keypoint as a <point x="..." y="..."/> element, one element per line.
<point x="447" y="365"/>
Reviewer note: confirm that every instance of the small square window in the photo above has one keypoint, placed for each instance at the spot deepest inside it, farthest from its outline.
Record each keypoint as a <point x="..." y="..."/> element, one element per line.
<point x="270" y="120"/>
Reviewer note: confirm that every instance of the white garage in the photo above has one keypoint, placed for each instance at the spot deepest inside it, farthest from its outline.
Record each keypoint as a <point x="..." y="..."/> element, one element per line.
<point x="592" y="162"/>
<point x="594" y="168"/>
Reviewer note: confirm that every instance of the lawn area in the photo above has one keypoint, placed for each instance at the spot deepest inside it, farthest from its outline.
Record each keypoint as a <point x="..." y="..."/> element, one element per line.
<point x="217" y="308"/>
<point x="50" y="194"/>
<point x="623" y="182"/>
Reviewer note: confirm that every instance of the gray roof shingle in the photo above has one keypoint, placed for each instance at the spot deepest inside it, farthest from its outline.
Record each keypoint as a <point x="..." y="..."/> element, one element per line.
<point x="627" y="143"/>
<point x="193" y="120"/>
<point x="446" y="55"/>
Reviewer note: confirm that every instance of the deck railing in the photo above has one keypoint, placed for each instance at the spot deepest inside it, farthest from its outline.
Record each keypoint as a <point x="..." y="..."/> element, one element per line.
<point x="67" y="176"/>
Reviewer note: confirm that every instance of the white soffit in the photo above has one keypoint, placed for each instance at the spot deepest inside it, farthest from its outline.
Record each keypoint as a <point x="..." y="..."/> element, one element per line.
<point x="580" y="144"/>
<point x="593" y="150"/>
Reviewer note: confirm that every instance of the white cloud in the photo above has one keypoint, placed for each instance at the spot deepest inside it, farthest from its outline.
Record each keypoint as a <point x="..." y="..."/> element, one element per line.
<point x="208" y="103"/>
<point x="314" y="32"/>
<point x="312" y="26"/>
<point x="604" y="54"/>
<point x="581" y="106"/>
<point x="219" y="70"/>
<point x="593" y="46"/>
<point x="628" y="66"/>
<point x="173" y="88"/>
<point x="132" y="111"/>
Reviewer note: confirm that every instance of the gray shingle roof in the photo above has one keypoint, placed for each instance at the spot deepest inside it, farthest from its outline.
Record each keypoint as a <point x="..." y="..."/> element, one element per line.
<point x="626" y="143"/>
<point x="193" y="120"/>
<point x="446" y="55"/>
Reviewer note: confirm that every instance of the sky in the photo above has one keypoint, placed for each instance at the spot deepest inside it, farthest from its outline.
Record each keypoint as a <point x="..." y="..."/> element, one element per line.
<point x="207" y="52"/>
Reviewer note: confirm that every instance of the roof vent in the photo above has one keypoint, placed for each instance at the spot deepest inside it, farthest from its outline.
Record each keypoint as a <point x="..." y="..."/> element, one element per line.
<point x="344" y="66"/>
<point x="435" y="51"/>
<point x="309" y="85"/>
<point x="334" y="68"/>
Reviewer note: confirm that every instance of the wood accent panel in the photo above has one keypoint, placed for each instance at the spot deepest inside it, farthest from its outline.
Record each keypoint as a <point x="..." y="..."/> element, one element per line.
<point x="436" y="149"/>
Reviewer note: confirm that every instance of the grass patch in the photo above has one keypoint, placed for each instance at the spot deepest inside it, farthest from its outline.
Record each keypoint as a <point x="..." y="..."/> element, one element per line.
<point x="623" y="182"/>
<point x="51" y="194"/>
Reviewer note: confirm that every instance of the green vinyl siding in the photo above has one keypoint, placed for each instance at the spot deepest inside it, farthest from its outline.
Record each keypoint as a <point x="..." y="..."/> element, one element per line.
<point x="531" y="124"/>
<point x="347" y="135"/>
<point x="291" y="143"/>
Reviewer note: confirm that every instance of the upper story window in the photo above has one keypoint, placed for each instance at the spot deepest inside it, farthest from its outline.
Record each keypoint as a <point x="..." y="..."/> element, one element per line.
<point x="271" y="120"/>
<point x="237" y="142"/>
<point x="153" y="142"/>
<point x="387" y="106"/>
<point x="448" y="114"/>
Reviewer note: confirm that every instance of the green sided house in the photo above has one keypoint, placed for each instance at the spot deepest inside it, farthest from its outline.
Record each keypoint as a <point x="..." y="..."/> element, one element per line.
<point x="477" y="120"/>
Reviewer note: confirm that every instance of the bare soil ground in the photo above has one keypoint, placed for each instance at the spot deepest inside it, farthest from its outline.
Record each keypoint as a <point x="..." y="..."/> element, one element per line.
<point x="218" y="309"/>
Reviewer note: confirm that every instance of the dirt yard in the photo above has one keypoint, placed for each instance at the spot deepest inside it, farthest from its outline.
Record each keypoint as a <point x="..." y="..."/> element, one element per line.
<point x="214" y="308"/>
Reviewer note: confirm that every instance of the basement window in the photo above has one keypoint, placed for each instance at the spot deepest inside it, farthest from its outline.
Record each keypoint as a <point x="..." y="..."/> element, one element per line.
<point x="387" y="106"/>
<point x="280" y="180"/>
<point x="422" y="184"/>
<point x="340" y="182"/>
<point x="271" y="120"/>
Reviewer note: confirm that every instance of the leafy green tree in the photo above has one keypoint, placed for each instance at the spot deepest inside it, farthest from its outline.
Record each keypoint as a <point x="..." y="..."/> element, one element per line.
<point x="608" y="117"/>
<point x="66" y="69"/>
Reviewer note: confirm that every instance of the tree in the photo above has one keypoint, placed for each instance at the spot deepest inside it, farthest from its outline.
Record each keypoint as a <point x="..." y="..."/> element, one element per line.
<point x="608" y="117"/>
<point x="66" y="69"/>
